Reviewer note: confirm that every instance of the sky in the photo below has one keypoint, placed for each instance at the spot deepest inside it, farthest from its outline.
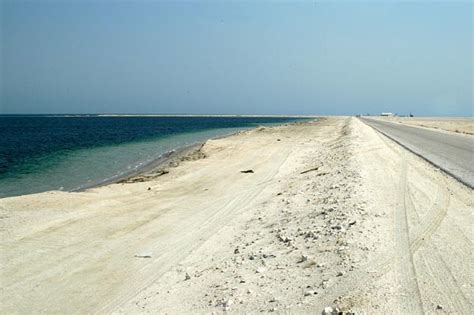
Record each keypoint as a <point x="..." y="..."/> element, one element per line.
<point x="321" y="58"/>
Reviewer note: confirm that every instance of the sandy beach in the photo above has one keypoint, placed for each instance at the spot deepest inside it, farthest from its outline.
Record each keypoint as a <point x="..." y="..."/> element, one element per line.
<point x="285" y="219"/>
<point x="463" y="125"/>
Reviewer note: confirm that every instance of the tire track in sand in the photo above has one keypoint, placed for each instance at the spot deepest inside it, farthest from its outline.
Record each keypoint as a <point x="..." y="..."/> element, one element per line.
<point x="433" y="263"/>
<point x="423" y="228"/>
<point x="213" y="222"/>
<point x="436" y="267"/>
<point x="409" y="293"/>
<point x="411" y="239"/>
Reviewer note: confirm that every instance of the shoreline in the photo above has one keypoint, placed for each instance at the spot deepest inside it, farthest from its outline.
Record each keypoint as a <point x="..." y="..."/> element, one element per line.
<point x="163" y="161"/>
<point x="160" y="161"/>
<point x="169" y="159"/>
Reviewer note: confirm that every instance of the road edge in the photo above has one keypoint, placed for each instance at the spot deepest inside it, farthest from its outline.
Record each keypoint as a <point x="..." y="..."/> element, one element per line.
<point x="459" y="179"/>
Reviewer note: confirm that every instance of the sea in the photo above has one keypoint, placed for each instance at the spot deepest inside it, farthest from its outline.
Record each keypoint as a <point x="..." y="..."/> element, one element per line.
<point x="57" y="152"/>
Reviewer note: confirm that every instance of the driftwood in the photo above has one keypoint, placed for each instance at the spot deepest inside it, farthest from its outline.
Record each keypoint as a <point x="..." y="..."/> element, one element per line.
<point x="310" y="170"/>
<point x="143" y="255"/>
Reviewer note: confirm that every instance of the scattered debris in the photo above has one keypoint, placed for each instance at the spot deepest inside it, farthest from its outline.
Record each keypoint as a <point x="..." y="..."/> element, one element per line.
<point x="173" y="164"/>
<point x="143" y="255"/>
<point x="144" y="177"/>
<point x="297" y="245"/>
<point x="303" y="258"/>
<point x="195" y="155"/>
<point x="247" y="172"/>
<point x="226" y="305"/>
<point x="322" y="174"/>
<point x="310" y="170"/>
<point x="310" y="292"/>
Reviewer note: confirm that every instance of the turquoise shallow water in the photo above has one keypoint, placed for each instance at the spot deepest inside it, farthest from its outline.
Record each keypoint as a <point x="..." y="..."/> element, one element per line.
<point x="66" y="153"/>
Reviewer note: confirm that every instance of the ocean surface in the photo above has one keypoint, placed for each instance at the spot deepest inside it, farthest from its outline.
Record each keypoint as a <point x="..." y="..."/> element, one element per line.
<point x="42" y="153"/>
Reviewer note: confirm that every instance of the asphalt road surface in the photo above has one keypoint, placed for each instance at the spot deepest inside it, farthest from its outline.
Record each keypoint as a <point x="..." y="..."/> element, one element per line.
<point x="450" y="152"/>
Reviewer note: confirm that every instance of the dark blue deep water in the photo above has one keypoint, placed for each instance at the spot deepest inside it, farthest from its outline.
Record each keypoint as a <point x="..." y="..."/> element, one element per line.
<point x="40" y="153"/>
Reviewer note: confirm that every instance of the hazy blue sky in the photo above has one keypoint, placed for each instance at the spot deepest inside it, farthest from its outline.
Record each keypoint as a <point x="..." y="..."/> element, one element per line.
<point x="241" y="57"/>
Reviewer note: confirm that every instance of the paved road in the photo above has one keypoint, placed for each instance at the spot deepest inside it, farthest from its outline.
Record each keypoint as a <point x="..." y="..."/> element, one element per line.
<point x="450" y="152"/>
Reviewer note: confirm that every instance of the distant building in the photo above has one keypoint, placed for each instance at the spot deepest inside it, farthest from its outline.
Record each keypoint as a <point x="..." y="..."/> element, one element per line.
<point x="387" y="114"/>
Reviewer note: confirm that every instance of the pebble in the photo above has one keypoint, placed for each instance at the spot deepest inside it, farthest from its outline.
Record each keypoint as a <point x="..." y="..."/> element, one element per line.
<point x="439" y="307"/>
<point x="226" y="304"/>
<point x="284" y="239"/>
<point x="187" y="277"/>
<point x="261" y="270"/>
<point x="268" y="256"/>
<point x="303" y="258"/>
<point x="329" y="310"/>
<point x="310" y="292"/>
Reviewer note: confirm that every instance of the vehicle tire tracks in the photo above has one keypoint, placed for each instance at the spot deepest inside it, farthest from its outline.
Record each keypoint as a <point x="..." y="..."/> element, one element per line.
<point x="409" y="295"/>
<point x="437" y="268"/>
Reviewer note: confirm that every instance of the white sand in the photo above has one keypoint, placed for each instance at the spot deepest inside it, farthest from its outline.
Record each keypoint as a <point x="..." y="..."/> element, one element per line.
<point x="464" y="125"/>
<point x="373" y="229"/>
